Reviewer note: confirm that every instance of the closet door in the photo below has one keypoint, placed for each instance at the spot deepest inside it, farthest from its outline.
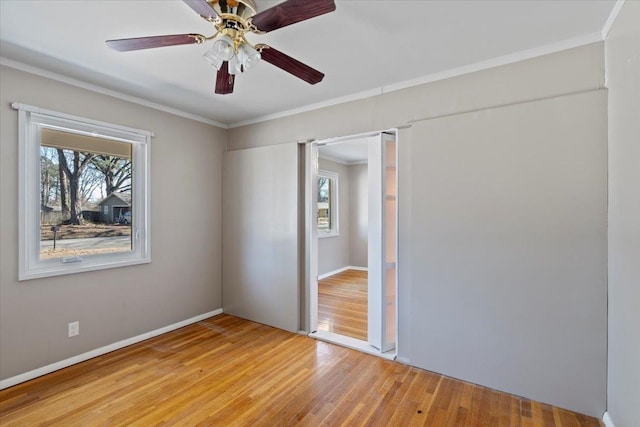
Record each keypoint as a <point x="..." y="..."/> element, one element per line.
<point x="382" y="242"/>
<point x="260" y="235"/>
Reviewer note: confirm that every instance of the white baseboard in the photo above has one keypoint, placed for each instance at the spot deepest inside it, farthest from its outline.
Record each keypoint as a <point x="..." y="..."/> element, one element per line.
<point x="9" y="382"/>
<point x="340" y="270"/>
<point x="607" y="420"/>
<point x="331" y="273"/>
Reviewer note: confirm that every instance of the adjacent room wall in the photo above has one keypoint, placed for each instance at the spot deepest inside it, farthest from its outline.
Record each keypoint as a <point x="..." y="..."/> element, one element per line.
<point x="359" y="218"/>
<point x="333" y="252"/>
<point x="350" y="247"/>
<point x="566" y="293"/>
<point x="182" y="281"/>
<point x="622" y="49"/>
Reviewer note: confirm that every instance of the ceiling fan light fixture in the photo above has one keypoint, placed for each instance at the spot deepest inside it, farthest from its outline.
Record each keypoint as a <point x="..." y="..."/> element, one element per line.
<point x="230" y="52"/>
<point x="248" y="56"/>
<point x="223" y="47"/>
<point x="212" y="59"/>
<point x="235" y="65"/>
<point x="245" y="58"/>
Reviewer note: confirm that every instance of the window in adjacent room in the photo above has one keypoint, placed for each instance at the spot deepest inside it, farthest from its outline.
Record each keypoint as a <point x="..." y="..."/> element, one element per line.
<point x="327" y="203"/>
<point x="83" y="195"/>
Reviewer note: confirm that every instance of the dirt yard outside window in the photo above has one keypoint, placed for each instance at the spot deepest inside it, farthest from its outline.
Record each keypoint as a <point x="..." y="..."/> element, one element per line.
<point x="85" y="239"/>
<point x="84" y="231"/>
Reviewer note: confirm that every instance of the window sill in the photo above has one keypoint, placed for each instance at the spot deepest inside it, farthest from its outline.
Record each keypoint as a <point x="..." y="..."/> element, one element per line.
<point x="59" y="269"/>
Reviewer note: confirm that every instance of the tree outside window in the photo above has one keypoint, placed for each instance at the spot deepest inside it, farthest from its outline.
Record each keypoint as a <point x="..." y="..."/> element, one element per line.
<point x="327" y="203"/>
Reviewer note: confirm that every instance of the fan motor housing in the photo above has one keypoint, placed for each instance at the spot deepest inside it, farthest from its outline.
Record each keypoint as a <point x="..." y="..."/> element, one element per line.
<point x="242" y="8"/>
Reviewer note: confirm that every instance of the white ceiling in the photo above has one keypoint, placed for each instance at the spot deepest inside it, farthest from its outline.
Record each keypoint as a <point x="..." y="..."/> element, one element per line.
<point x="349" y="152"/>
<point x="361" y="47"/>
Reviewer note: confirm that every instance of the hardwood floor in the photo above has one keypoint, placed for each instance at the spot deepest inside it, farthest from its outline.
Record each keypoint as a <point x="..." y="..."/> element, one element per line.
<point x="226" y="371"/>
<point x="342" y="304"/>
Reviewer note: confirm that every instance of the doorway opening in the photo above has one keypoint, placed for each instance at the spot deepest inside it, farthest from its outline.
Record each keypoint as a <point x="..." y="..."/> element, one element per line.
<point x="353" y="269"/>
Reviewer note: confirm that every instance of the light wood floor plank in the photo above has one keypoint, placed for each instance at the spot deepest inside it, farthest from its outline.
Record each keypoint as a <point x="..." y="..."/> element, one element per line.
<point x="226" y="371"/>
<point x="342" y="304"/>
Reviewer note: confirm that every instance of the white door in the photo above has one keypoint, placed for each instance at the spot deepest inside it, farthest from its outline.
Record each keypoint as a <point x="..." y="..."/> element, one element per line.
<point x="382" y="242"/>
<point x="311" y="239"/>
<point x="260" y="235"/>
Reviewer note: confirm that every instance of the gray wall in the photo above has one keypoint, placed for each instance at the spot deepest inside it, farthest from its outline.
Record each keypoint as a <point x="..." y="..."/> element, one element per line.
<point x="184" y="277"/>
<point x="333" y="252"/>
<point x="509" y="218"/>
<point x="565" y="292"/>
<point x="260" y="281"/>
<point x="359" y="215"/>
<point x="622" y="49"/>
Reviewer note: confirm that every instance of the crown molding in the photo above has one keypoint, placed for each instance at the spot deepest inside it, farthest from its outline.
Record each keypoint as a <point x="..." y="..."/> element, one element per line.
<point x="104" y="91"/>
<point x="310" y="107"/>
<point x="612" y="18"/>
<point x="454" y="72"/>
<point x="343" y="162"/>
<point x="511" y="58"/>
<point x="333" y="159"/>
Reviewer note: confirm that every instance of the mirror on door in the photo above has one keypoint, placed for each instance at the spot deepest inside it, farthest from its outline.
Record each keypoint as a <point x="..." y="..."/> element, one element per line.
<point x="342" y="224"/>
<point x="355" y="295"/>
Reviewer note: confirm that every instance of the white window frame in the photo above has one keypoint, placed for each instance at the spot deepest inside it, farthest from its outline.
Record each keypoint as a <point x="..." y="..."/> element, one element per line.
<point x="30" y="122"/>
<point x="333" y="203"/>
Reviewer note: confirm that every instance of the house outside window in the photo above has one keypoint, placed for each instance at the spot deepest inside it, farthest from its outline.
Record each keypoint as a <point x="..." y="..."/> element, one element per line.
<point x="327" y="202"/>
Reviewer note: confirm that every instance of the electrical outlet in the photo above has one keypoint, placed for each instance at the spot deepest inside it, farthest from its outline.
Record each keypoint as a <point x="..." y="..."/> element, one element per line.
<point x="74" y="329"/>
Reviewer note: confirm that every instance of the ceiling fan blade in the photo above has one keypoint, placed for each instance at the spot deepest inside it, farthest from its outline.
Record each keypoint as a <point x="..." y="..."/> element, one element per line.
<point x="289" y="64"/>
<point x="202" y="8"/>
<point x="224" y="80"/>
<point x="290" y="12"/>
<point x="123" y="45"/>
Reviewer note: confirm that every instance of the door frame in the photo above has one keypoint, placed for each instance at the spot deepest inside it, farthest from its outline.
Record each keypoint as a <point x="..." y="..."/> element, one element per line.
<point x="311" y="244"/>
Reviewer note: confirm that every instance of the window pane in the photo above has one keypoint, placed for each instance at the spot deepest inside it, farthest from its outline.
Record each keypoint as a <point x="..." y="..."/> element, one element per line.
<point x="324" y="204"/>
<point x="85" y="195"/>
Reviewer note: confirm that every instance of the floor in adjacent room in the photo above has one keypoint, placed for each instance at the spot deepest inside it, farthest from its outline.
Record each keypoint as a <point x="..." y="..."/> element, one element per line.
<point x="342" y="304"/>
<point x="228" y="371"/>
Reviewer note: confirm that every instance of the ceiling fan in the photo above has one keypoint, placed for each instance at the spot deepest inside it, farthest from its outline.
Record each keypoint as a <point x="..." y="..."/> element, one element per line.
<point x="231" y="53"/>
